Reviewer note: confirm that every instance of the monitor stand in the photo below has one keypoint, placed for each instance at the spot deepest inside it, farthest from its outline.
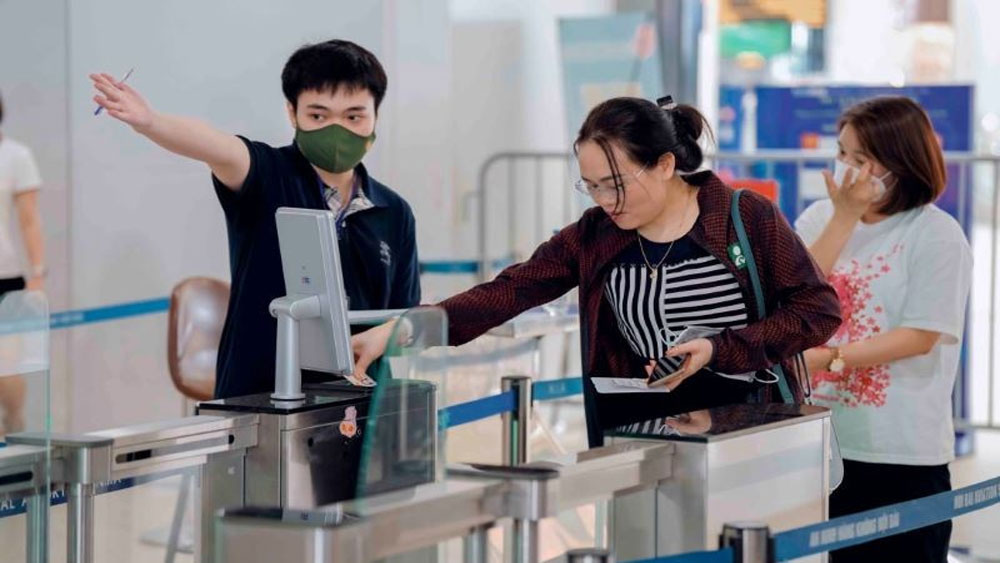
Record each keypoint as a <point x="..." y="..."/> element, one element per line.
<point x="289" y="310"/>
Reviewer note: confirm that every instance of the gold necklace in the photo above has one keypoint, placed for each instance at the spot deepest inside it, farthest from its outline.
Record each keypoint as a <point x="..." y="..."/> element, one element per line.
<point x="653" y="270"/>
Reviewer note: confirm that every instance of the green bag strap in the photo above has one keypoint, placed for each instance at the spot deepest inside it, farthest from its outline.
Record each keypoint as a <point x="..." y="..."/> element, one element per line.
<point x="758" y="293"/>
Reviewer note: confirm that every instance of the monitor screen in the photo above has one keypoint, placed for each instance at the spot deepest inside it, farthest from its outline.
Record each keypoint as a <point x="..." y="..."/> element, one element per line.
<point x="311" y="263"/>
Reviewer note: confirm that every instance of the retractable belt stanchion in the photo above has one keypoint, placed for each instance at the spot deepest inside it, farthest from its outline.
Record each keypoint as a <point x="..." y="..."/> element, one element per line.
<point x="750" y="541"/>
<point x="516" y="423"/>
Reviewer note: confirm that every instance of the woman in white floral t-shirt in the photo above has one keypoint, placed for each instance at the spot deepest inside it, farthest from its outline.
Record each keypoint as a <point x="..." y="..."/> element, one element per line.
<point x="902" y="268"/>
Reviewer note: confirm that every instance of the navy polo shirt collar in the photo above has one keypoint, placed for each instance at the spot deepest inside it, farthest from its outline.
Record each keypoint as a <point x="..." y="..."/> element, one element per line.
<point x="371" y="191"/>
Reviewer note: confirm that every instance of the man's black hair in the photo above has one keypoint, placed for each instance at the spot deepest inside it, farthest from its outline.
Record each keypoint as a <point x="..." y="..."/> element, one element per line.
<point x="332" y="65"/>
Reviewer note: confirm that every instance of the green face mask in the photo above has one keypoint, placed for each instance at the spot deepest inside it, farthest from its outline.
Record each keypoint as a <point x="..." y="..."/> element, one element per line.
<point x="333" y="148"/>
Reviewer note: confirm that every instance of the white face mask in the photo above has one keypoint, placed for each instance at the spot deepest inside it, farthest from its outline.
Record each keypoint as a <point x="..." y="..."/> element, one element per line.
<point x="840" y="169"/>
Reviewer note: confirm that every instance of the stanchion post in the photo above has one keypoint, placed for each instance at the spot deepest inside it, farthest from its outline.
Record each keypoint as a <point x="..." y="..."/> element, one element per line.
<point x="589" y="555"/>
<point x="750" y="541"/>
<point x="80" y="512"/>
<point x="38" y="525"/>
<point x="516" y="424"/>
<point x="476" y="544"/>
<point x="525" y="541"/>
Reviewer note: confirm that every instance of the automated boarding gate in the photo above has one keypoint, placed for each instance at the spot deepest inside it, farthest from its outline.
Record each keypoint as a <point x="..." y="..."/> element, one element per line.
<point x="246" y="450"/>
<point x="767" y="463"/>
<point x="311" y="453"/>
<point x="673" y="483"/>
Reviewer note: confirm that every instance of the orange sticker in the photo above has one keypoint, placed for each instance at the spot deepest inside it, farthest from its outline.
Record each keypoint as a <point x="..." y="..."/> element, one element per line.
<point x="349" y="426"/>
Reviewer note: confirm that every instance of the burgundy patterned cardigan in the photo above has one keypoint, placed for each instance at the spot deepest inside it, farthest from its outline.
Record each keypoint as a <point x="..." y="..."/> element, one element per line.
<point x="803" y="310"/>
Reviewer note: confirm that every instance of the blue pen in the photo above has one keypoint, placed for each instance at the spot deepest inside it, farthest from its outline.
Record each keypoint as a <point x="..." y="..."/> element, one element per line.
<point x="127" y="74"/>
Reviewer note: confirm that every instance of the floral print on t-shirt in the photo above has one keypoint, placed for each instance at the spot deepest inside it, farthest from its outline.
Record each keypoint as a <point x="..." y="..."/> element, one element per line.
<point x="864" y="385"/>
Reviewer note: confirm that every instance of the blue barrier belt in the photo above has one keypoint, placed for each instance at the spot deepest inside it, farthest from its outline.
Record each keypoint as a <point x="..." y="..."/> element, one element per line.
<point x="464" y="413"/>
<point x="13" y="507"/>
<point x="471" y="411"/>
<point x="724" y="555"/>
<point x="551" y="389"/>
<point x="450" y="267"/>
<point x="67" y="319"/>
<point x="890" y="520"/>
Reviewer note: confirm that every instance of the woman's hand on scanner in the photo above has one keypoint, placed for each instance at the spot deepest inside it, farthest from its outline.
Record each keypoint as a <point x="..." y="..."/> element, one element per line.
<point x="698" y="353"/>
<point x="369" y="345"/>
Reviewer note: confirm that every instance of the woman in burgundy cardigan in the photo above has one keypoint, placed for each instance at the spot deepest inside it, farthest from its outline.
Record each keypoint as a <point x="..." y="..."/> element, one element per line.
<point x="655" y="256"/>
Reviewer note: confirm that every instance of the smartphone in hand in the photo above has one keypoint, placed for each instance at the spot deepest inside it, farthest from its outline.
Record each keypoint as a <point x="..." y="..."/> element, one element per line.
<point x="662" y="372"/>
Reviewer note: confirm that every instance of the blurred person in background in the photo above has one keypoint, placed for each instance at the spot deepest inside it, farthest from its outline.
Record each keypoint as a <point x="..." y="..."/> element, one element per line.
<point x="19" y="186"/>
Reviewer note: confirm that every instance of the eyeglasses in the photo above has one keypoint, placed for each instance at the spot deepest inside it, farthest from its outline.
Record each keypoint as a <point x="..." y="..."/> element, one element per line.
<point x="599" y="191"/>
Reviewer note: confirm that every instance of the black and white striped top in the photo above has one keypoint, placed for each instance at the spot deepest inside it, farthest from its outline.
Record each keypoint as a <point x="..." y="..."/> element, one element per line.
<point x="653" y="426"/>
<point x="691" y="288"/>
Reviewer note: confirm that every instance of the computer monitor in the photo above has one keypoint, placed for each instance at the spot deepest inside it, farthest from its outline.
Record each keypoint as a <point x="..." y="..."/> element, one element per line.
<point x="314" y="310"/>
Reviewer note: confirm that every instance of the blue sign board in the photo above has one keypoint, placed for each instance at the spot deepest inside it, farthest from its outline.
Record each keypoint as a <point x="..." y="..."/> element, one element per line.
<point x="605" y="57"/>
<point x="806" y="117"/>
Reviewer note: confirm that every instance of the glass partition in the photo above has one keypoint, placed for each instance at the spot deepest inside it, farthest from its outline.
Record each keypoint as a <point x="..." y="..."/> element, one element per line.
<point x="403" y="438"/>
<point x="25" y="477"/>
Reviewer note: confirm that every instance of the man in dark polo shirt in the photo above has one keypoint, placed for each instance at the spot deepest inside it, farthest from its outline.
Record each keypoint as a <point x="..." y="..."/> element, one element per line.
<point x="333" y="91"/>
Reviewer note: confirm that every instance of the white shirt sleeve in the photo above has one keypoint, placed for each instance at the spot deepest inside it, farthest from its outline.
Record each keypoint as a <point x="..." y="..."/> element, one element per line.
<point x="940" y="277"/>
<point x="26" y="176"/>
<point x="813" y="220"/>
